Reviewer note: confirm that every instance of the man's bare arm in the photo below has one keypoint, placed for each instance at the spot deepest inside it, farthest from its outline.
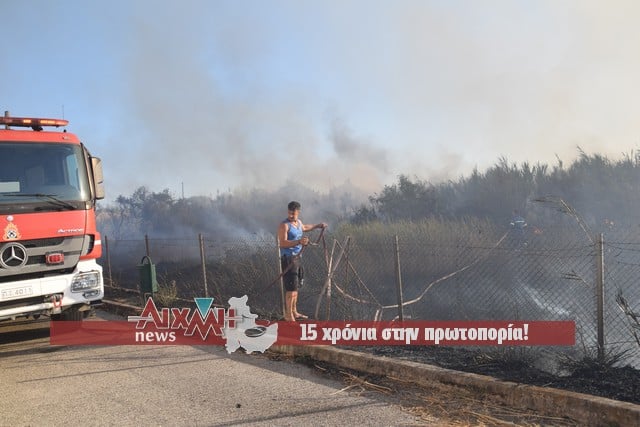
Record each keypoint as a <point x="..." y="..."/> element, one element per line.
<point x="284" y="242"/>
<point x="313" y="227"/>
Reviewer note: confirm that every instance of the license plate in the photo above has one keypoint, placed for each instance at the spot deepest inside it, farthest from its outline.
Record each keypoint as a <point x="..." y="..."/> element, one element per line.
<point x="12" y="293"/>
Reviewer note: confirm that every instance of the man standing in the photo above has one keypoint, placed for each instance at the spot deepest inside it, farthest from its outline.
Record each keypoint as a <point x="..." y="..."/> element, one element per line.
<point x="517" y="222"/>
<point x="291" y="241"/>
<point x="518" y="225"/>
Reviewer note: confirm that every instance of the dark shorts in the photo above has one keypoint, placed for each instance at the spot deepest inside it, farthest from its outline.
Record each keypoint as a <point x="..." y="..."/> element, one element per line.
<point x="292" y="279"/>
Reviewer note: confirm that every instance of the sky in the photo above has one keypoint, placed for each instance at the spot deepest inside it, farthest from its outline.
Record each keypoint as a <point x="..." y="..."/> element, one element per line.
<point x="206" y="97"/>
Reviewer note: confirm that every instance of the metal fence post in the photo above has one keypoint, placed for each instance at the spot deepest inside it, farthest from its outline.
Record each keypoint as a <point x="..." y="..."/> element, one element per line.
<point x="108" y="254"/>
<point x="146" y="245"/>
<point x="600" y="295"/>
<point x="279" y="263"/>
<point x="399" y="281"/>
<point x="203" y="264"/>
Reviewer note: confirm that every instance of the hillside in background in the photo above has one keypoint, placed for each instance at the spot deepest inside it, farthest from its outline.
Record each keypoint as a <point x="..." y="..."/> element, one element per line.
<point x="603" y="192"/>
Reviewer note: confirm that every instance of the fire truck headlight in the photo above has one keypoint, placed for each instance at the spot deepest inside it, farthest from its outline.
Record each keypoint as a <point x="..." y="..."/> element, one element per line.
<point x="85" y="281"/>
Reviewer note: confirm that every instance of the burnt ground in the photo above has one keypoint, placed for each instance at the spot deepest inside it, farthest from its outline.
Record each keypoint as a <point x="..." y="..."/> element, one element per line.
<point x="582" y="376"/>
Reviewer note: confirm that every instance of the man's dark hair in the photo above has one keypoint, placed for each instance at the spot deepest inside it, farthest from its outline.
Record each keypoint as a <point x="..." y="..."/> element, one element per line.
<point x="293" y="206"/>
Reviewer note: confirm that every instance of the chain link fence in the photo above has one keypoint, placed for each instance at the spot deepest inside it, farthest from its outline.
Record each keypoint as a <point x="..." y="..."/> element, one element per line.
<point x="475" y="272"/>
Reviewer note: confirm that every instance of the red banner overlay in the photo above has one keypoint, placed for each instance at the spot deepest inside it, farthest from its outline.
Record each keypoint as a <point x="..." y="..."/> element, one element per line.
<point x="420" y="333"/>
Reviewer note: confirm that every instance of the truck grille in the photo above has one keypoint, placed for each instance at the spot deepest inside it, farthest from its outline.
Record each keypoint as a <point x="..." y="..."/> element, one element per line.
<point x="38" y="243"/>
<point x="35" y="265"/>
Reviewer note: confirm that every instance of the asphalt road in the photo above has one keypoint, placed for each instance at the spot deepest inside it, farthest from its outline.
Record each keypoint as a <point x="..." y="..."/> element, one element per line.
<point x="171" y="385"/>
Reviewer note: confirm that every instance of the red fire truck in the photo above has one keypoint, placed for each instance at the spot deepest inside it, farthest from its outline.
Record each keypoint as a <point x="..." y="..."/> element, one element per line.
<point x="49" y="244"/>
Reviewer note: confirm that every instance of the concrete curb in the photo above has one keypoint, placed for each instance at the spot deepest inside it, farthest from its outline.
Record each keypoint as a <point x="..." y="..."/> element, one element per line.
<point x="121" y="309"/>
<point x="587" y="409"/>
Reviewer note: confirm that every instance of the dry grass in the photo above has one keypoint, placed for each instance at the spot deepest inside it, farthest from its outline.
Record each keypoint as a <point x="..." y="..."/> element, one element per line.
<point x="440" y="405"/>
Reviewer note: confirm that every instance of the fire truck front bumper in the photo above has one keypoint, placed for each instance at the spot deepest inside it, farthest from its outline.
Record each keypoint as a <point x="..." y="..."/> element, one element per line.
<point x="51" y="295"/>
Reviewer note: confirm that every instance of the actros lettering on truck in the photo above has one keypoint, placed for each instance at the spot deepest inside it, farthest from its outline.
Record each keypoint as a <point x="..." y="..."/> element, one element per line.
<point x="49" y="243"/>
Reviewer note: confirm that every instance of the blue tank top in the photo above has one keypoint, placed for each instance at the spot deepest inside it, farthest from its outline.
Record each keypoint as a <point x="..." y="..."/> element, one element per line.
<point x="293" y="233"/>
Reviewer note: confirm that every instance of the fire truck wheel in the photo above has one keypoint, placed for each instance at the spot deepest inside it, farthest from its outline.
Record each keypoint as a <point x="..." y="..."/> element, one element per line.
<point x="71" y="314"/>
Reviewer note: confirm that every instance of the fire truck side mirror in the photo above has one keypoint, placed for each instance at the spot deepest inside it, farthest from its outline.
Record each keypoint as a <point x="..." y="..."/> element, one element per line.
<point x="98" y="177"/>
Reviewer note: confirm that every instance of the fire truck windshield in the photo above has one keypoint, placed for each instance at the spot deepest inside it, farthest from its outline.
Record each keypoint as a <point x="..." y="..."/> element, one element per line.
<point x="37" y="176"/>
